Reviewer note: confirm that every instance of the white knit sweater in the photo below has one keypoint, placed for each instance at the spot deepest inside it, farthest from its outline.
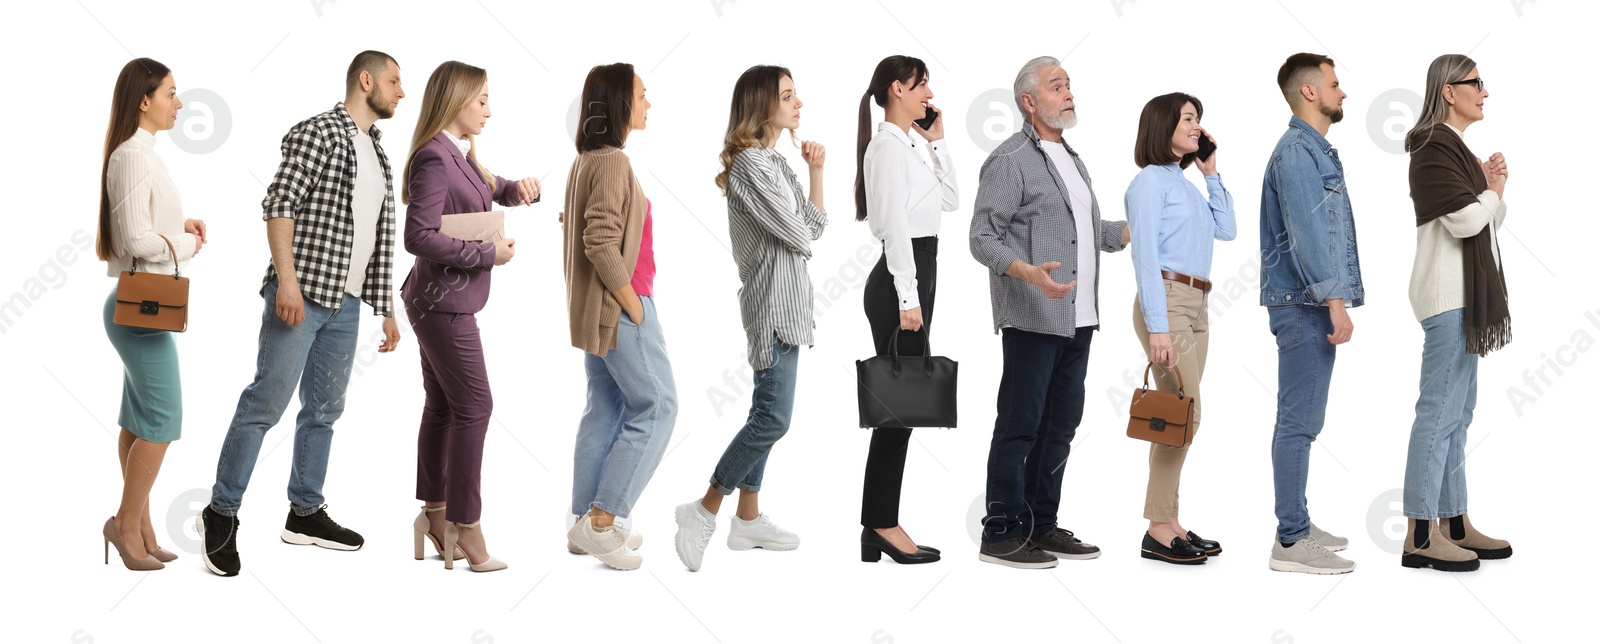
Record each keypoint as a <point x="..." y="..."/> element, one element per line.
<point x="144" y="206"/>
<point x="1437" y="280"/>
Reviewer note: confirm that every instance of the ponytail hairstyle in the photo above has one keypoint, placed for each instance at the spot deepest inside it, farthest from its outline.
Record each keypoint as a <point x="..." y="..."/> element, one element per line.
<point x="139" y="79"/>
<point x="908" y="71"/>
<point x="452" y="85"/>
<point x="755" y="100"/>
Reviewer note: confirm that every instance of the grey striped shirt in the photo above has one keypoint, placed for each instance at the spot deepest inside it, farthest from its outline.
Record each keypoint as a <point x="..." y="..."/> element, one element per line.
<point x="1023" y="211"/>
<point x="771" y="243"/>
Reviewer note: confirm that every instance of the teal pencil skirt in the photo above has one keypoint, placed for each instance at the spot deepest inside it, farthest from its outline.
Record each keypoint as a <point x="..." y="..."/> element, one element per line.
<point x="152" y="394"/>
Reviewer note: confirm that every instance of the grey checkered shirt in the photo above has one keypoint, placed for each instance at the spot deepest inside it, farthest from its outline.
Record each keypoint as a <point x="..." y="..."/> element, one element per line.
<point x="313" y="186"/>
<point x="1023" y="212"/>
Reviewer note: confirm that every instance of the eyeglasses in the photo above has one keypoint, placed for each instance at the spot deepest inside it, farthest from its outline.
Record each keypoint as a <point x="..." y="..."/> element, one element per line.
<point x="1478" y="82"/>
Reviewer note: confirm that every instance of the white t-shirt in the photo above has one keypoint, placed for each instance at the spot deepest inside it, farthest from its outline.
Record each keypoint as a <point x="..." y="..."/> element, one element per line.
<point x="1082" y="210"/>
<point x="366" y="205"/>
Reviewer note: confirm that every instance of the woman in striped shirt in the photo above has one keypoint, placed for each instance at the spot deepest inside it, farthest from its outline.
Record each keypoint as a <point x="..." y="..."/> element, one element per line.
<point x="142" y="228"/>
<point x="772" y="226"/>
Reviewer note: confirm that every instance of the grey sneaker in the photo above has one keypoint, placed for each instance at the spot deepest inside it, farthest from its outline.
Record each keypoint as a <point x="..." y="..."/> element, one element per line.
<point x="1015" y="553"/>
<point x="1332" y="543"/>
<point x="1309" y="556"/>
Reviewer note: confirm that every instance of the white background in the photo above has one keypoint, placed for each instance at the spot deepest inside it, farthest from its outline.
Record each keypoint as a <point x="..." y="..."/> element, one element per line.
<point x="269" y="65"/>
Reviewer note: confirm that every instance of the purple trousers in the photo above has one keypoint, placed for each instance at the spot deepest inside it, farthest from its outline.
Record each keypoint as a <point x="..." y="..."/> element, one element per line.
<point x="455" y="413"/>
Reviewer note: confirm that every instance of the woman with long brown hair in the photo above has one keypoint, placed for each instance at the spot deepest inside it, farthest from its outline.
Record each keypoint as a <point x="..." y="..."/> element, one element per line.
<point x="772" y="225"/>
<point x="142" y="228"/>
<point x="448" y="285"/>
<point x="900" y="193"/>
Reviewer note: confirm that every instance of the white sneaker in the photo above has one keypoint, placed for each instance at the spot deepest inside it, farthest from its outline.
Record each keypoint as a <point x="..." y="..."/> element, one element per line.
<point x="607" y="544"/>
<point x="760" y="533"/>
<point x="1329" y="541"/>
<point x="635" y="541"/>
<point x="695" y="525"/>
<point x="1308" y="556"/>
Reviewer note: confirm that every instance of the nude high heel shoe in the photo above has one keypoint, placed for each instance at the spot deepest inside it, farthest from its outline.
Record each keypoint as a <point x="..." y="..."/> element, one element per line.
<point x="420" y="529"/>
<point x="452" y="534"/>
<point x="114" y="538"/>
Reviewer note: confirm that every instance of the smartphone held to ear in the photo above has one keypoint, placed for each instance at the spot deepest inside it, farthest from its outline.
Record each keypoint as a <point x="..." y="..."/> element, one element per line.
<point x="927" y="120"/>
<point x="1207" y="148"/>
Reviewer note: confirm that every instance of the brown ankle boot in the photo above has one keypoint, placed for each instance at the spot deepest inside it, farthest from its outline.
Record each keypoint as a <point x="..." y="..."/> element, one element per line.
<point x="1426" y="548"/>
<point x="1459" y="531"/>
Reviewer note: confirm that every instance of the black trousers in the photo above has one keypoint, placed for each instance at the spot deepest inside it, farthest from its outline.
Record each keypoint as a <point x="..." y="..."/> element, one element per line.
<point x="886" y="458"/>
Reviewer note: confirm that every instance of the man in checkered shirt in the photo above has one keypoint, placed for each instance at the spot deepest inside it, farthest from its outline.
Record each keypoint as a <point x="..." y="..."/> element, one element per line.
<point x="330" y="227"/>
<point x="1034" y="205"/>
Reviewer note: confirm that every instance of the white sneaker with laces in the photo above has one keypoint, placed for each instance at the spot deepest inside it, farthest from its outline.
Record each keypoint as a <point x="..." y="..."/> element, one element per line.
<point x="635" y="541"/>
<point x="760" y="533"/>
<point x="695" y="526"/>
<point x="1308" y="556"/>
<point x="607" y="544"/>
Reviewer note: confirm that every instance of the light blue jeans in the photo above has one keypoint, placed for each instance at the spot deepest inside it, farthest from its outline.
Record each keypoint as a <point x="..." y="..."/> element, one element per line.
<point x="1305" y="371"/>
<point x="627" y="421"/>
<point x="317" y="356"/>
<point x="1436" y="474"/>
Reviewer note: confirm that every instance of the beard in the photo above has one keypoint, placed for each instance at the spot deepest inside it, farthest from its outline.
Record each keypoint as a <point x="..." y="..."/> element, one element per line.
<point x="381" y="108"/>
<point x="1060" y="122"/>
<point x="1334" y="114"/>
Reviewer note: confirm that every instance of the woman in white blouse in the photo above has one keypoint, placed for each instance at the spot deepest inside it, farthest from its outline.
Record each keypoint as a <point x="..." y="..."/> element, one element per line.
<point x="142" y="227"/>
<point x="900" y="192"/>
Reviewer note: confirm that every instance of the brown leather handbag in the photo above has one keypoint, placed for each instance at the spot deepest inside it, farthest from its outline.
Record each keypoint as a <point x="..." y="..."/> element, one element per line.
<point x="152" y="301"/>
<point x="1161" y="416"/>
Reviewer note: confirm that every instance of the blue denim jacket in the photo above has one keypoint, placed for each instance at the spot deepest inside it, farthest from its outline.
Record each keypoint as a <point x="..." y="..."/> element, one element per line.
<point x="1308" y="234"/>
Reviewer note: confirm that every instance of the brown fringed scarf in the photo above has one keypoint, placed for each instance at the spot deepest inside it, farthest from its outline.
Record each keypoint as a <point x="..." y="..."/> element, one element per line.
<point x="1446" y="177"/>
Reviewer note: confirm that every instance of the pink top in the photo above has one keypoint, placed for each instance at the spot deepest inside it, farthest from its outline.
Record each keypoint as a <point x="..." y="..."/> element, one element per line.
<point x="644" y="273"/>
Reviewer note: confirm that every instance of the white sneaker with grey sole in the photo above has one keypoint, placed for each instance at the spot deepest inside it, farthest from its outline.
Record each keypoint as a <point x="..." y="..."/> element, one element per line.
<point x="1329" y="541"/>
<point x="760" y="533"/>
<point x="1308" y="556"/>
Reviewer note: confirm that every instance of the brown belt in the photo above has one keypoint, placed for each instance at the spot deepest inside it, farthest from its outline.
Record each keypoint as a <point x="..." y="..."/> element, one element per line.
<point x="1204" y="286"/>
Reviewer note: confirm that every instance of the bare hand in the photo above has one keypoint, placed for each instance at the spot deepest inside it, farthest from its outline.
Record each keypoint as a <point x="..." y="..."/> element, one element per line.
<point x="1207" y="167"/>
<point x="1040" y="278"/>
<point x="528" y="190"/>
<point x="911" y="319"/>
<point x="198" y="228"/>
<point x="1342" y="326"/>
<point x="291" y="307"/>
<point x="813" y="153"/>
<point x="391" y="336"/>
<point x="1161" y="350"/>
<point x="936" y="132"/>
<point x="504" y="250"/>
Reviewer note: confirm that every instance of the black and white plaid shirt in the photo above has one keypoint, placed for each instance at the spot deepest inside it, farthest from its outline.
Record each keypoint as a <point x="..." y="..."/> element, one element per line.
<point x="1023" y="211"/>
<point x="313" y="187"/>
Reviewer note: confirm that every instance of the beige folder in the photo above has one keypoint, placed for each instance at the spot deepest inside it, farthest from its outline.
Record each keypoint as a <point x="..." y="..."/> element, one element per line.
<point x="479" y="226"/>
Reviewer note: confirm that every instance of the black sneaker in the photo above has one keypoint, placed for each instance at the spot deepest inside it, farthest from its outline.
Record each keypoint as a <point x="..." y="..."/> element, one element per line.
<point x="1016" y="553"/>
<point x="1063" y="545"/>
<point x="218" y="536"/>
<point x="319" y="529"/>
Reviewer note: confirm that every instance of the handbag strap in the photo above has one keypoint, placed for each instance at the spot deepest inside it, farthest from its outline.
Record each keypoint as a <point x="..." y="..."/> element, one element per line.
<point x="1152" y="363"/>
<point x="894" y="351"/>
<point x="170" y="248"/>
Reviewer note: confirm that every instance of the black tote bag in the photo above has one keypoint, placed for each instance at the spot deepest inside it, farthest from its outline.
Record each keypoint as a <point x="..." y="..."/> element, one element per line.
<point x="906" y="391"/>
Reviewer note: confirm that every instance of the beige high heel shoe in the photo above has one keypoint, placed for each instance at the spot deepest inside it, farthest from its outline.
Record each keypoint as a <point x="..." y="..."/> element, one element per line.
<point x="420" y="528"/>
<point x="452" y="534"/>
<point x="114" y="538"/>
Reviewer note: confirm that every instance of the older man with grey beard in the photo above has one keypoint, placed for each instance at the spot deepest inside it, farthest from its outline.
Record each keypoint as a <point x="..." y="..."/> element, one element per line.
<point x="1035" y="203"/>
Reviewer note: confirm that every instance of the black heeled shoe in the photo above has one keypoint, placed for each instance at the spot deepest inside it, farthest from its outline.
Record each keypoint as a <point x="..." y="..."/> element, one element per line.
<point x="1212" y="548"/>
<point x="1178" y="552"/>
<point x="874" y="546"/>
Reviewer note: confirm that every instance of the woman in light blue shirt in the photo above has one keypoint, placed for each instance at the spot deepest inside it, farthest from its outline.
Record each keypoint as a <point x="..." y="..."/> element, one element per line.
<point x="1172" y="227"/>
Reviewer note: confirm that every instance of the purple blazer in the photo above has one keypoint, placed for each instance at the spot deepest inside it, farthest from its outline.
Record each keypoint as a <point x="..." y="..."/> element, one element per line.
<point x="450" y="275"/>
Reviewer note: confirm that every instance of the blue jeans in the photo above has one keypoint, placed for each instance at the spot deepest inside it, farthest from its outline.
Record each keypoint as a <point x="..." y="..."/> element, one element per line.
<point x="632" y="405"/>
<point x="771" y="407"/>
<point x="1436" y="461"/>
<point x="1305" y="368"/>
<point x="1040" y="405"/>
<point x="317" y="355"/>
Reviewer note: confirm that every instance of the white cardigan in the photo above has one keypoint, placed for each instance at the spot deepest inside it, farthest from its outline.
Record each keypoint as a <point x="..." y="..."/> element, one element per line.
<point x="144" y="206"/>
<point x="1437" y="281"/>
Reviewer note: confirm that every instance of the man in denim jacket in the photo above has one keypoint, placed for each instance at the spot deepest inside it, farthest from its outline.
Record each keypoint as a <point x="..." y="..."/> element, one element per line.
<point x="1310" y="276"/>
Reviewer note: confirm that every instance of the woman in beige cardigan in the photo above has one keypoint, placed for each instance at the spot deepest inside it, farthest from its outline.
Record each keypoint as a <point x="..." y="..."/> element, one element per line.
<point x="609" y="261"/>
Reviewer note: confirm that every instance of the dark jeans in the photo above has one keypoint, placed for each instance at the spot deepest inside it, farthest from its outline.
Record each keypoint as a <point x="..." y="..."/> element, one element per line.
<point x="455" y="411"/>
<point x="886" y="458"/>
<point x="1039" y="408"/>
